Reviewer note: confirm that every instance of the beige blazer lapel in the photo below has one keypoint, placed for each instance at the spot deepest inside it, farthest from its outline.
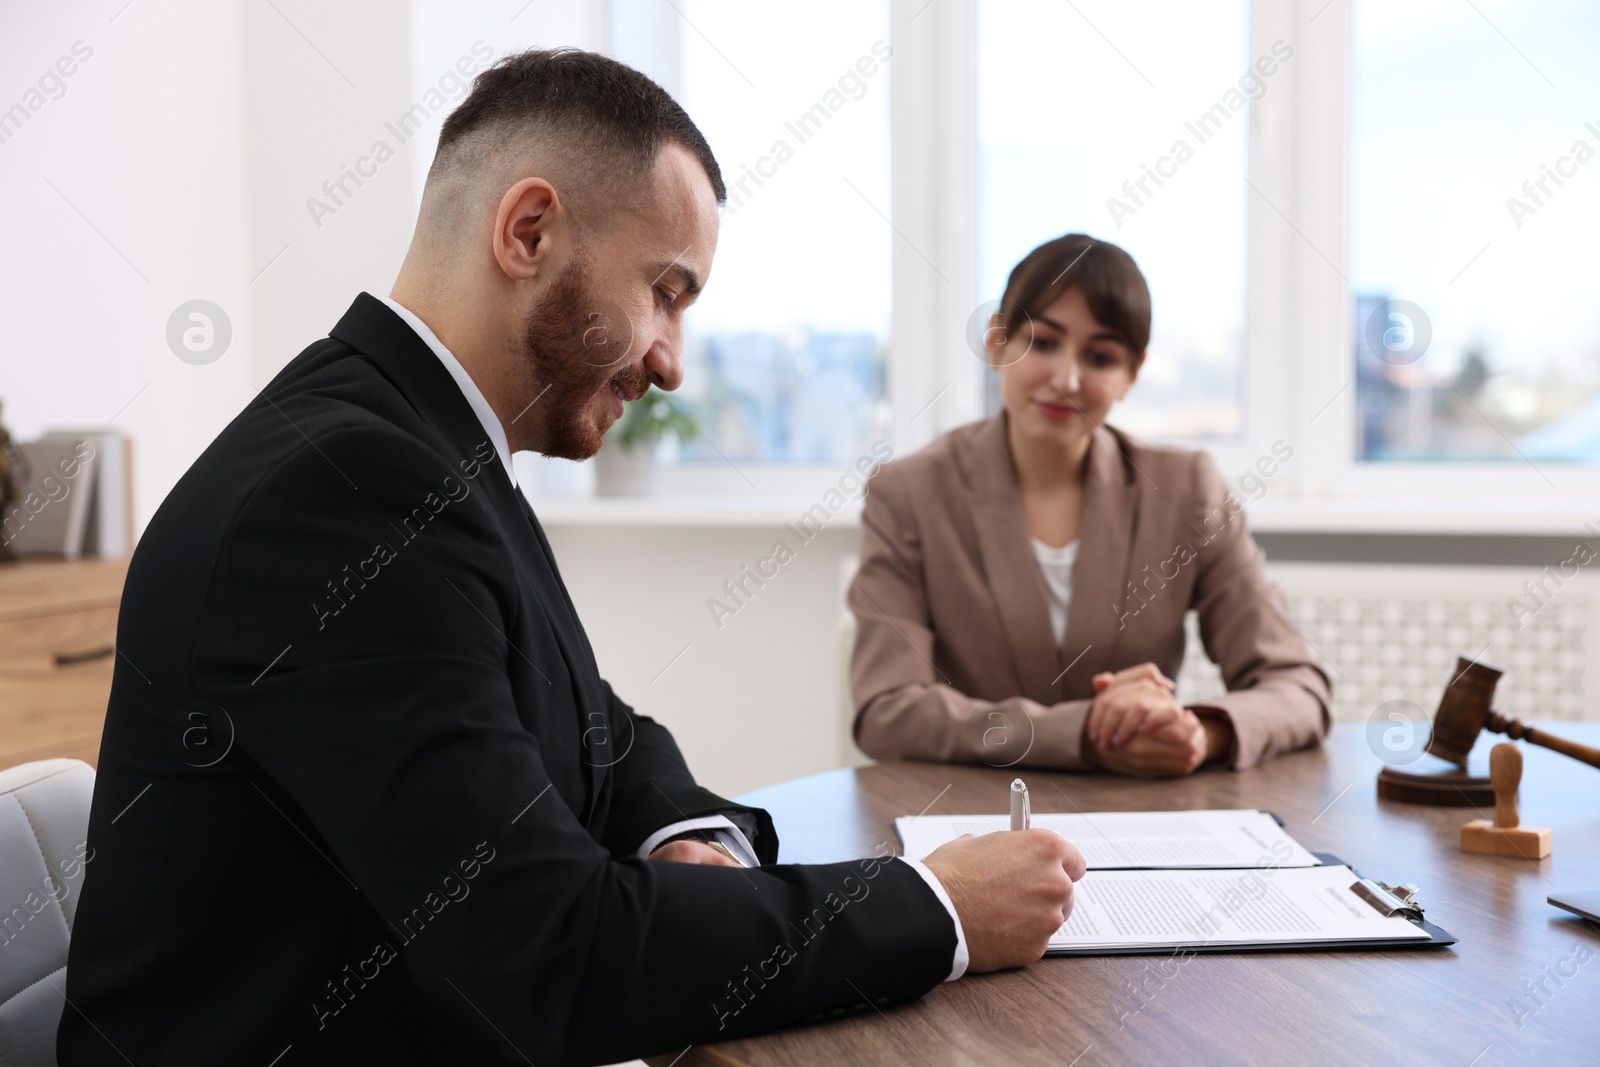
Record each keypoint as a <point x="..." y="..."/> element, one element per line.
<point x="1010" y="567"/>
<point x="1099" y="578"/>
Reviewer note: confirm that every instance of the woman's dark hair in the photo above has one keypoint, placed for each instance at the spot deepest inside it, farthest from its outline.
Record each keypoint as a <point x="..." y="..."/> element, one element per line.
<point x="1112" y="286"/>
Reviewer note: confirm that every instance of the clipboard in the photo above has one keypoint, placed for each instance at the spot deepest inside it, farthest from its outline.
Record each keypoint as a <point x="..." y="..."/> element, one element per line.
<point x="1409" y="908"/>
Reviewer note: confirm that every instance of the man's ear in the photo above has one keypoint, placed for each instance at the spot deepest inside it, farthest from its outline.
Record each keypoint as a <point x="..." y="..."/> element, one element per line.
<point x="524" y="225"/>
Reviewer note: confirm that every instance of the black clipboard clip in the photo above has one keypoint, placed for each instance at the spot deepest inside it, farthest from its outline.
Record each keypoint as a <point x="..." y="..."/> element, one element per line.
<point x="1389" y="899"/>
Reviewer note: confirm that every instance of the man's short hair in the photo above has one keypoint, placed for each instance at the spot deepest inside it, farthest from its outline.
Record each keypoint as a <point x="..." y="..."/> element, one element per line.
<point x="600" y="122"/>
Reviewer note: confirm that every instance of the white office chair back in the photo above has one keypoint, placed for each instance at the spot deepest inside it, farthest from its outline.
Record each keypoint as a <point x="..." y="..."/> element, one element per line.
<point x="44" y="818"/>
<point x="844" y="643"/>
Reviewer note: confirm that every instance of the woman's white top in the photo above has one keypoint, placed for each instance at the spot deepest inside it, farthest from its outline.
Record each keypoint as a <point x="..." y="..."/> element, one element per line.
<point x="1056" y="566"/>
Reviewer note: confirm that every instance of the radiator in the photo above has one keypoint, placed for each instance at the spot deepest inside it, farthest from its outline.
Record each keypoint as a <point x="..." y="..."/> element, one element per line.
<point x="1388" y="632"/>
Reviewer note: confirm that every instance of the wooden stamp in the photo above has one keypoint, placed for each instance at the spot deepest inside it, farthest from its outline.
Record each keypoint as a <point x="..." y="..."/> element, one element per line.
<point x="1506" y="836"/>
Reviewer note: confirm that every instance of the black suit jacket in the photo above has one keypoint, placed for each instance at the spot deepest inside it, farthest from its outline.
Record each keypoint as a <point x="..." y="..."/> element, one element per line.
<point x="363" y="795"/>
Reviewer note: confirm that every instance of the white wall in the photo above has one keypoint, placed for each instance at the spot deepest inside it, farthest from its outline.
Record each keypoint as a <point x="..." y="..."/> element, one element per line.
<point x="124" y="199"/>
<point x="177" y="165"/>
<point x="312" y="108"/>
<point x="751" y="703"/>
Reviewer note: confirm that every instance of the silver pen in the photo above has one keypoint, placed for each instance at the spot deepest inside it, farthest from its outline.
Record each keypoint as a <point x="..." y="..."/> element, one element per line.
<point x="1020" y="815"/>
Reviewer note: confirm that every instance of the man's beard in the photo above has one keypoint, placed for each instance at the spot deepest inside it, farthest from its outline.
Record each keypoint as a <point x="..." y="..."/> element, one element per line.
<point x="574" y="349"/>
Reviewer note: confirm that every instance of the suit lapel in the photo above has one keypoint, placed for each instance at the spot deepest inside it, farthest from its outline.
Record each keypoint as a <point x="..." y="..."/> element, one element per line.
<point x="1099" y="578"/>
<point x="528" y="539"/>
<point x="1012" y="571"/>
<point x="599" y="746"/>
<point x="418" y="376"/>
<point x="1045" y="671"/>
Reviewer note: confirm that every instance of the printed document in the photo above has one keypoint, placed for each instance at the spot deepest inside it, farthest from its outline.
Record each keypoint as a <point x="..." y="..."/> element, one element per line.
<point x="1225" y="838"/>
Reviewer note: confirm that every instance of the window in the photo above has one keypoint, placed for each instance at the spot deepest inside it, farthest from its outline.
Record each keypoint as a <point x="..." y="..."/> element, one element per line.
<point x="785" y="353"/>
<point x="1360" y="222"/>
<point x="1475" y="196"/>
<point x="1130" y="123"/>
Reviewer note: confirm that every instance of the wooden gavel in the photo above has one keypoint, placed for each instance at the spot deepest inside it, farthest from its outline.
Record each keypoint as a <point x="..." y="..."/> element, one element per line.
<point x="1465" y="712"/>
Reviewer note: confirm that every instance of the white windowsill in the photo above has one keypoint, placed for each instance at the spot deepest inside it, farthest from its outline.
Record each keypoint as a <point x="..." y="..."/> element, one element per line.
<point x="1438" y="517"/>
<point x="1450" y="518"/>
<point x="690" y="511"/>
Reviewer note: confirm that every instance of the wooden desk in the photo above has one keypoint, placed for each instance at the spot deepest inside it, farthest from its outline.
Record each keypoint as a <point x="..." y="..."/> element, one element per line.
<point x="1446" y="1006"/>
<point x="57" y="623"/>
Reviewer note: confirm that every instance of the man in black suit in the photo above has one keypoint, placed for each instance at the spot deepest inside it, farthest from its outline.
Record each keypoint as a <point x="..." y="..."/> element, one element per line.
<point x="363" y="794"/>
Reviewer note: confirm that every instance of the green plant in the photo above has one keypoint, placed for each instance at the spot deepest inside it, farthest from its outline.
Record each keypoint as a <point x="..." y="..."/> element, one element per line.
<point x="649" y="419"/>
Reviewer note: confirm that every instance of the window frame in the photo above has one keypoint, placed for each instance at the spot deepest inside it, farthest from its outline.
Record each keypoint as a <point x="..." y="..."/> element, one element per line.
<point x="1325" y="146"/>
<point x="1298" y="296"/>
<point x="1298" y="362"/>
<point x="934" y="126"/>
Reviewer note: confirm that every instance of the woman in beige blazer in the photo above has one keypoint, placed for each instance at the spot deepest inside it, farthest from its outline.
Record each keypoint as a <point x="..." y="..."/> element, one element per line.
<point x="1023" y="580"/>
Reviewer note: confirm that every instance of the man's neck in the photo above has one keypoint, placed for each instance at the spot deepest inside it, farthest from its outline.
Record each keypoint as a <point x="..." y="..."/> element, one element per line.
<point x="457" y="322"/>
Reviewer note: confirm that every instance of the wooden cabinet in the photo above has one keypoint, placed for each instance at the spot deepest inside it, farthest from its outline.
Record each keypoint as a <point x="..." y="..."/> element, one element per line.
<point x="57" y="625"/>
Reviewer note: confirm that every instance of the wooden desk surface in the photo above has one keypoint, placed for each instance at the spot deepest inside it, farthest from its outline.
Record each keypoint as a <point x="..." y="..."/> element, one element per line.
<point x="1448" y="1006"/>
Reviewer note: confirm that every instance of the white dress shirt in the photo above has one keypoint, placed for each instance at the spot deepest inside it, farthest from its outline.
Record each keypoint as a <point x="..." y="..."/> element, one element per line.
<point x="1056" y="566"/>
<point x="726" y="833"/>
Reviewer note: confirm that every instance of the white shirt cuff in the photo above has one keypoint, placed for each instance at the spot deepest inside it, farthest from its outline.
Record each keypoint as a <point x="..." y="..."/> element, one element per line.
<point x="728" y="835"/>
<point x="958" y="965"/>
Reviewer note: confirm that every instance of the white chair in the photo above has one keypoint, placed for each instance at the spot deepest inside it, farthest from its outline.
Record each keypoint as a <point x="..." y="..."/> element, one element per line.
<point x="44" y="820"/>
<point x="844" y="637"/>
<point x="844" y="643"/>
